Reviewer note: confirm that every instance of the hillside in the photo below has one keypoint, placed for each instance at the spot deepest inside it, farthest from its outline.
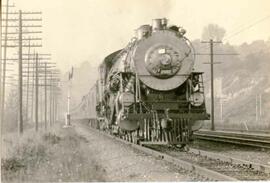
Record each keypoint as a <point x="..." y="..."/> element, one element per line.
<point x="238" y="80"/>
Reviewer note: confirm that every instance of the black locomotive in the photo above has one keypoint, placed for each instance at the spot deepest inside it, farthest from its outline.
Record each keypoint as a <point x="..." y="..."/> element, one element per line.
<point x="148" y="92"/>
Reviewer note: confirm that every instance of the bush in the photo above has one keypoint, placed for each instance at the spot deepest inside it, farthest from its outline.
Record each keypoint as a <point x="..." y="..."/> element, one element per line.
<point x="51" y="138"/>
<point x="12" y="164"/>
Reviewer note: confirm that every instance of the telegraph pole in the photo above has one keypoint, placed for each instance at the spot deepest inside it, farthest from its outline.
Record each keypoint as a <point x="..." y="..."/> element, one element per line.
<point x="45" y="95"/>
<point x="20" y="79"/>
<point x="36" y="93"/>
<point x="42" y="71"/>
<point x="27" y="84"/>
<point x="212" y="86"/>
<point x="211" y="42"/>
<point x="1" y="122"/>
<point x="50" y="103"/>
<point x="260" y="98"/>
<point x="20" y="58"/>
<point x="33" y="87"/>
<point x="53" y="107"/>
<point x="3" y="85"/>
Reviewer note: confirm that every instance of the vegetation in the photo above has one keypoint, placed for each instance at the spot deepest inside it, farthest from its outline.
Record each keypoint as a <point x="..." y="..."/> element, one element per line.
<point x="59" y="155"/>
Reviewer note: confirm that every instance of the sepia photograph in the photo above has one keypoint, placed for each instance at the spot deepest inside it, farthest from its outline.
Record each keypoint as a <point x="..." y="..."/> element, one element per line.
<point x="135" y="91"/>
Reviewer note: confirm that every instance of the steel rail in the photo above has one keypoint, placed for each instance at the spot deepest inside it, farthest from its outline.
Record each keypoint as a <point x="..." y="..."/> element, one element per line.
<point x="236" y="161"/>
<point x="241" y="130"/>
<point x="237" y="134"/>
<point x="234" y="140"/>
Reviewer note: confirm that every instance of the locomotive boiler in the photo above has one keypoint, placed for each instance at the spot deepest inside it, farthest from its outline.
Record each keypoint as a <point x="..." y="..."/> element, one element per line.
<point x="148" y="92"/>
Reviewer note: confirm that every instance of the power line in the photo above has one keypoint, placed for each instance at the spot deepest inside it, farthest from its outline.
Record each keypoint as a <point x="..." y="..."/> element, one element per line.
<point x="246" y="28"/>
<point x="232" y="34"/>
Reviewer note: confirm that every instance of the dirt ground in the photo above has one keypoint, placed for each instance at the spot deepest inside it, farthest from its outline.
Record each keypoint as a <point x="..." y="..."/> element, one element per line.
<point x="81" y="155"/>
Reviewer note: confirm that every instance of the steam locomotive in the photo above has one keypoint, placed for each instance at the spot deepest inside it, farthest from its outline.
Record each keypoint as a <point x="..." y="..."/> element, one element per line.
<point x="148" y="92"/>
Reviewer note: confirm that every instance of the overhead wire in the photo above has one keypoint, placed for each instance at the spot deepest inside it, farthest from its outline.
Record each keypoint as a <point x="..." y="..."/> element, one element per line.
<point x="233" y="33"/>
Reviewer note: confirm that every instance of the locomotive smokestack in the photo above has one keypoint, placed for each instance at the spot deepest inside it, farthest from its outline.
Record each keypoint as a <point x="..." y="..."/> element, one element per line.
<point x="157" y="24"/>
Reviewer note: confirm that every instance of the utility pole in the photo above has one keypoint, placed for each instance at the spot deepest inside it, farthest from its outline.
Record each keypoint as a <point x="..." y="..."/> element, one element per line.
<point x="260" y="99"/>
<point x="27" y="83"/>
<point x="256" y="107"/>
<point x="212" y="86"/>
<point x="20" y="69"/>
<point x="43" y="69"/>
<point x="2" y="83"/>
<point x="33" y="87"/>
<point x="45" y="95"/>
<point x="50" y="104"/>
<point x="211" y="42"/>
<point x="53" y="108"/>
<point x="221" y="109"/>
<point x="20" y="79"/>
<point x="56" y="107"/>
<point x="20" y="58"/>
<point x="1" y="122"/>
<point x="36" y="94"/>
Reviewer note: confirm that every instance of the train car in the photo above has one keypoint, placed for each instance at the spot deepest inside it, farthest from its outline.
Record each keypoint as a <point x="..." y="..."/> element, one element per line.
<point x="148" y="92"/>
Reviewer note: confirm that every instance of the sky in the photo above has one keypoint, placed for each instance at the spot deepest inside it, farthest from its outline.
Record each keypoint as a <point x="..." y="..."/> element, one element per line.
<point x="88" y="30"/>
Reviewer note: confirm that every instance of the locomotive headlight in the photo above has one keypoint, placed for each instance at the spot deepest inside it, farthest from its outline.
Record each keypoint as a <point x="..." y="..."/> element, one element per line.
<point x="165" y="59"/>
<point x="196" y="99"/>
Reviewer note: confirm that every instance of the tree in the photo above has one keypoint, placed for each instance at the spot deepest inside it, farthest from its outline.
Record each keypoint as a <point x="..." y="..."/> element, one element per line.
<point x="213" y="31"/>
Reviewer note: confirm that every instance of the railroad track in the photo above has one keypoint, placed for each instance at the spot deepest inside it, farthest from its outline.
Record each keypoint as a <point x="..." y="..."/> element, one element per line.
<point x="230" y="167"/>
<point x="243" y="131"/>
<point x="208" y="166"/>
<point x="255" y="140"/>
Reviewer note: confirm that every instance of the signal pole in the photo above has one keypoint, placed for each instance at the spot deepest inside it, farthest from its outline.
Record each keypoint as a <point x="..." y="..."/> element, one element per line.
<point x="70" y="76"/>
<point x="68" y="106"/>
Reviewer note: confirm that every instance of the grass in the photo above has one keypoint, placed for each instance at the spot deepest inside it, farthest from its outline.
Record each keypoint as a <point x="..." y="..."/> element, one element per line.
<point x="58" y="155"/>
